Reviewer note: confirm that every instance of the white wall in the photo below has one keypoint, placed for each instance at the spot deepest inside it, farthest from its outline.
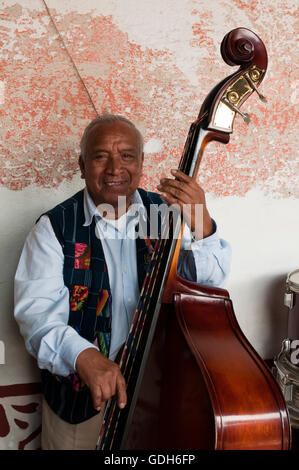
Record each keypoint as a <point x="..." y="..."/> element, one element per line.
<point x="154" y="62"/>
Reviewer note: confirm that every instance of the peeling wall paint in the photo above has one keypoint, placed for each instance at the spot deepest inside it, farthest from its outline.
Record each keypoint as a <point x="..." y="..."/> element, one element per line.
<point x="154" y="62"/>
<point x="46" y="108"/>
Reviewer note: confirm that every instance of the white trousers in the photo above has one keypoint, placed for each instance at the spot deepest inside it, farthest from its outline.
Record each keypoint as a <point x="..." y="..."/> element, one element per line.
<point x="57" y="434"/>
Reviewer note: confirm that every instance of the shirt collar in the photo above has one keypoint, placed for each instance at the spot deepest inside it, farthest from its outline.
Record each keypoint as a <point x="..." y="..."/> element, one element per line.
<point x="90" y="209"/>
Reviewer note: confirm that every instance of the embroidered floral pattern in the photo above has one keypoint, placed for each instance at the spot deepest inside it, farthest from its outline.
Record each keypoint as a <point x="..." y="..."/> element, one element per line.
<point x="82" y="256"/>
<point x="102" y="340"/>
<point x="78" y="297"/>
<point x="101" y="310"/>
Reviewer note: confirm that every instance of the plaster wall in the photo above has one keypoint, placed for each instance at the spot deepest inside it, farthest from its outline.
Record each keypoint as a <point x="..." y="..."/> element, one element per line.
<point x="154" y="62"/>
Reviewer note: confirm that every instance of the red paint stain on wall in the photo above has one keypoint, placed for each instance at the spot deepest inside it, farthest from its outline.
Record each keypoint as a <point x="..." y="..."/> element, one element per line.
<point x="46" y="108"/>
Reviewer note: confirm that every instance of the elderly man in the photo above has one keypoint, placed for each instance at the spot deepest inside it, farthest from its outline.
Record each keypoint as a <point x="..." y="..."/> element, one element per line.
<point x="80" y="272"/>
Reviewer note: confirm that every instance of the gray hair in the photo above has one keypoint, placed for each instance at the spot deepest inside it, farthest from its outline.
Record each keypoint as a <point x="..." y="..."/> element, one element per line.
<point x="103" y="119"/>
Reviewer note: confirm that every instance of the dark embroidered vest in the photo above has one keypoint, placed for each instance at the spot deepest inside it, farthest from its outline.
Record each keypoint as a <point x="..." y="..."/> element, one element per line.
<point x="85" y="275"/>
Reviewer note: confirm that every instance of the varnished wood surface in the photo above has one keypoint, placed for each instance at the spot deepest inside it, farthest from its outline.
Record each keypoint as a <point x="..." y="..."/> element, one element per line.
<point x="205" y="387"/>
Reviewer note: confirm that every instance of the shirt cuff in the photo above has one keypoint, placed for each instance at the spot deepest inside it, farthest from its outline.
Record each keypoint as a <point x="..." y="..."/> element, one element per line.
<point x="61" y="360"/>
<point x="206" y="240"/>
<point x="72" y="347"/>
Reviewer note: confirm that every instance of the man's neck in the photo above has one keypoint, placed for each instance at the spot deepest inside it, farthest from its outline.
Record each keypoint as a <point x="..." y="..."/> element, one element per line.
<point x="111" y="211"/>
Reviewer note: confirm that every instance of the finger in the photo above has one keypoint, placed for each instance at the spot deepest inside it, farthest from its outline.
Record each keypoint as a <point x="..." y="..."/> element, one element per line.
<point x="96" y="393"/>
<point x="182" y="176"/>
<point x="190" y="182"/>
<point x="175" y="190"/>
<point x="188" y="186"/>
<point x="170" y="182"/>
<point x="108" y="390"/>
<point x="172" y="201"/>
<point x="121" y="392"/>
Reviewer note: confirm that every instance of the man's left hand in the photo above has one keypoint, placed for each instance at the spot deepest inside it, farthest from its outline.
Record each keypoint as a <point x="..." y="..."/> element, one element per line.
<point x="185" y="190"/>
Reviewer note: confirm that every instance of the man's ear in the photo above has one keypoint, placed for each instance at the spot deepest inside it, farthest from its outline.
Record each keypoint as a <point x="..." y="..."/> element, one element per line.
<point x="81" y="165"/>
<point x="142" y="161"/>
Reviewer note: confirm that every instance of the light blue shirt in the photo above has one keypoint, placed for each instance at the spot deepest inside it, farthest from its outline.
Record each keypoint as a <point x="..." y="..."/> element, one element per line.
<point x="42" y="299"/>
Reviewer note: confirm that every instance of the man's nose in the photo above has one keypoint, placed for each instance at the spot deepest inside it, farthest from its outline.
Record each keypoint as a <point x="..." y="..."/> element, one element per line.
<point x="113" y="164"/>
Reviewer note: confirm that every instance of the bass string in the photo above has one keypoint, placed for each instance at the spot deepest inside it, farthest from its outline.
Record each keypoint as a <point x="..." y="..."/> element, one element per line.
<point x="113" y="414"/>
<point x="114" y="411"/>
<point x="134" y="338"/>
<point x="141" y="304"/>
<point x="142" y="310"/>
<point x="134" y="327"/>
<point x="141" y="313"/>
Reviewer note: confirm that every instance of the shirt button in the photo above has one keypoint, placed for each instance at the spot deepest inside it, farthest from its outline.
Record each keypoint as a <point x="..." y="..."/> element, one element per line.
<point x="129" y="299"/>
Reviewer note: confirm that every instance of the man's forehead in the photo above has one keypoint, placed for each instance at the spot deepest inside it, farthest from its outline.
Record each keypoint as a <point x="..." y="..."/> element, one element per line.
<point x="117" y="129"/>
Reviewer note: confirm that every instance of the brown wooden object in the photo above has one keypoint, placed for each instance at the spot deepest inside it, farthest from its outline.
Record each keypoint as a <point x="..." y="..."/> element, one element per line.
<point x="195" y="382"/>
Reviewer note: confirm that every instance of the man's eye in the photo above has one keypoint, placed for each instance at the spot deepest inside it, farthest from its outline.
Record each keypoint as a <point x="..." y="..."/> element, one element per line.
<point x="127" y="155"/>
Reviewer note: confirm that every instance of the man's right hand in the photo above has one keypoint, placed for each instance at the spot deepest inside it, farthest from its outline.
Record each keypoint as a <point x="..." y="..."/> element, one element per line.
<point x="102" y="376"/>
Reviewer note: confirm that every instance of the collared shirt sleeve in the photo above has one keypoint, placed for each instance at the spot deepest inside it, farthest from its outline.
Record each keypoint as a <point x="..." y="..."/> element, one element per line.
<point x="205" y="261"/>
<point x="42" y="303"/>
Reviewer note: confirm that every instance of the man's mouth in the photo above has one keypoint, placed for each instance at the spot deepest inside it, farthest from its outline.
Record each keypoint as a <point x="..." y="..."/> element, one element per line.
<point x="115" y="183"/>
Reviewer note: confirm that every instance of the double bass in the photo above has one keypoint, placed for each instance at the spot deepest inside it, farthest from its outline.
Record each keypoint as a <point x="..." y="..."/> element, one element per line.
<point x="193" y="379"/>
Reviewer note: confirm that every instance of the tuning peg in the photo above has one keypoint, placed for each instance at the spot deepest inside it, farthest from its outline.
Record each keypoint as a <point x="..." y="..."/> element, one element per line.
<point x="252" y="84"/>
<point x="245" y="116"/>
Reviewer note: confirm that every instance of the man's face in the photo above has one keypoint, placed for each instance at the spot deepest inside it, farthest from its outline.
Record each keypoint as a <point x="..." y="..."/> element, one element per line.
<point x="113" y="162"/>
